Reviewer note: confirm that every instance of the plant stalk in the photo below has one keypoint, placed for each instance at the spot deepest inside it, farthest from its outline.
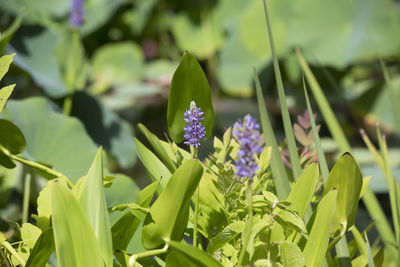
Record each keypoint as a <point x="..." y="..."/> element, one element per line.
<point x="151" y="253"/>
<point x="27" y="192"/>
<point x="246" y="234"/>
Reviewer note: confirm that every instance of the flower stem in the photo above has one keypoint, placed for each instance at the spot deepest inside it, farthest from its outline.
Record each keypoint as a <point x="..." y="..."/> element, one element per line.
<point x="194" y="152"/>
<point x="247" y="233"/>
<point x="27" y="192"/>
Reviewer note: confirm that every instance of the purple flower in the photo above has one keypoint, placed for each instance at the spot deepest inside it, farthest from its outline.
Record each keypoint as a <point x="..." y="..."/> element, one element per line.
<point x="194" y="130"/>
<point x="247" y="135"/>
<point x="77" y="17"/>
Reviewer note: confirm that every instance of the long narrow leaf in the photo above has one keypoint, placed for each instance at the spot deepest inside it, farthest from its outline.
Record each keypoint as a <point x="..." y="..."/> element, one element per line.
<point x="93" y="202"/>
<point x="323" y="104"/>
<point x="287" y="123"/>
<point x="321" y="156"/>
<point x="317" y="243"/>
<point x="278" y="169"/>
<point x="303" y="191"/>
<point x="75" y="242"/>
<point x="369" y="198"/>
<point x="155" y="168"/>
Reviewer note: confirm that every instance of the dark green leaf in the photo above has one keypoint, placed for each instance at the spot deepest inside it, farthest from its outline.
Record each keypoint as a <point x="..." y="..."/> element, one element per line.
<point x="42" y="250"/>
<point x="188" y="84"/>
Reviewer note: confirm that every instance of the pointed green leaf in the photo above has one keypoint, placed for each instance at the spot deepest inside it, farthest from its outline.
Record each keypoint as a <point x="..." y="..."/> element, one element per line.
<point x="346" y="177"/>
<point x="166" y="220"/>
<point x="5" y="93"/>
<point x="5" y="62"/>
<point x="317" y="243"/>
<point x="303" y="191"/>
<point x="189" y="83"/>
<point x="93" y="202"/>
<point x="196" y="256"/>
<point x="280" y="176"/>
<point x="155" y="168"/>
<point x="75" y="241"/>
<point x="42" y="250"/>
<point x="157" y="145"/>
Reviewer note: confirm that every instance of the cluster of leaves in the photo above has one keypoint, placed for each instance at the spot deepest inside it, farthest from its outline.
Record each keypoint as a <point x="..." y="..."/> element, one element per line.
<point x="73" y="219"/>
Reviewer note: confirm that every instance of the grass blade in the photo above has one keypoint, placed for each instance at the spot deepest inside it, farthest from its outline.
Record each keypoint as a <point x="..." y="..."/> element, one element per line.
<point x="370" y="257"/>
<point x="324" y="106"/>
<point x="287" y="123"/>
<point x="75" y="242"/>
<point x="317" y="243"/>
<point x="278" y="169"/>
<point x="321" y="157"/>
<point x="369" y="199"/>
<point x="93" y="202"/>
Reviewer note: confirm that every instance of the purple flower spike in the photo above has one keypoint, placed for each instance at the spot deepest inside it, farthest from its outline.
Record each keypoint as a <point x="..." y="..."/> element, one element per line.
<point x="77" y="17"/>
<point x="194" y="130"/>
<point x="247" y="135"/>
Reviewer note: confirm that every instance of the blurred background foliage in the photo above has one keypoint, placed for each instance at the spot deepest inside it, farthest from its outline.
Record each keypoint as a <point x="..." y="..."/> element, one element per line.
<point x="78" y="88"/>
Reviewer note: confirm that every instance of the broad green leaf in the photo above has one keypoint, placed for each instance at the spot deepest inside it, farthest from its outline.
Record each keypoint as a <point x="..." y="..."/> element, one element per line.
<point x="116" y="64"/>
<point x="124" y="229"/>
<point x="202" y="40"/>
<point x="317" y="243"/>
<point x="75" y="241"/>
<point x="42" y="250"/>
<point x="189" y="83"/>
<point x="196" y="256"/>
<point x="36" y="55"/>
<point x="11" y="137"/>
<point x="211" y="207"/>
<point x="5" y="93"/>
<point x="166" y="220"/>
<point x="280" y="176"/>
<point x="346" y="177"/>
<point x="105" y="127"/>
<point x="46" y="130"/>
<point x="93" y="202"/>
<point x="155" y="168"/>
<point x="303" y="191"/>
<point x="291" y="254"/>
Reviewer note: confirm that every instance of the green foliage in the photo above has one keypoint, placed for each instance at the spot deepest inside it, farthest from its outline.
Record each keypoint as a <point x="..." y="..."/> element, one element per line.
<point x="188" y="84"/>
<point x="74" y="238"/>
<point x="169" y="213"/>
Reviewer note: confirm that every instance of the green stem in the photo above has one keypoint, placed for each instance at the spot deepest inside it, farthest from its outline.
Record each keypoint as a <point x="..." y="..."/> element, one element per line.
<point x="27" y="192"/>
<point x="249" y="224"/>
<point x="67" y="105"/>
<point x="151" y="253"/>
<point x="196" y="216"/>
<point x="14" y="253"/>
<point x="194" y="151"/>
